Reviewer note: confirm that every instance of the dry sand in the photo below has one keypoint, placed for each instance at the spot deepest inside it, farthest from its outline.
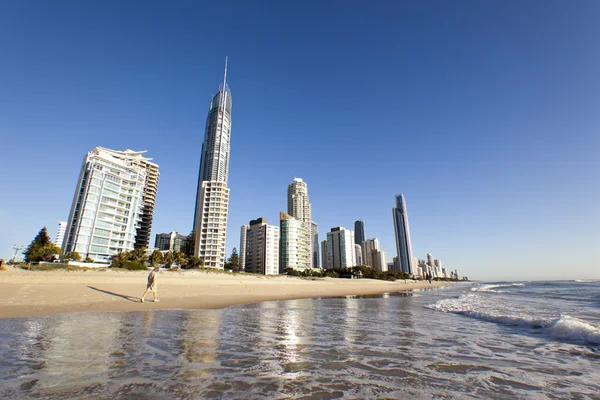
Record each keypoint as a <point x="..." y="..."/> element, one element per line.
<point x="32" y="293"/>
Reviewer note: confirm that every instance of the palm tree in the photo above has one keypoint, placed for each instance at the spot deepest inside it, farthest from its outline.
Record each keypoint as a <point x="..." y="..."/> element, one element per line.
<point x="156" y="258"/>
<point x="179" y="258"/>
<point x="168" y="259"/>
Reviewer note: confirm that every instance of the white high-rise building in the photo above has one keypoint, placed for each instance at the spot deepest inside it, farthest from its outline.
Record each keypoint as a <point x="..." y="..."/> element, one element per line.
<point x="108" y="204"/>
<point x="369" y="246"/>
<point x="262" y="248"/>
<point x="242" y="255"/>
<point x="60" y="234"/>
<point x="212" y="197"/>
<point x="358" y="258"/>
<point x="340" y="248"/>
<point x="299" y="207"/>
<point x="294" y="248"/>
<point x="211" y="232"/>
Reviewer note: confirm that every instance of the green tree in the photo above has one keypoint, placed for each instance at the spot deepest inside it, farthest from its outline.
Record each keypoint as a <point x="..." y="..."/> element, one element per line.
<point x="168" y="259"/>
<point x="42" y="239"/>
<point x="234" y="260"/>
<point x="139" y="254"/>
<point x="195" y="262"/>
<point x="179" y="258"/>
<point x="71" y="256"/>
<point x="156" y="258"/>
<point x="188" y="246"/>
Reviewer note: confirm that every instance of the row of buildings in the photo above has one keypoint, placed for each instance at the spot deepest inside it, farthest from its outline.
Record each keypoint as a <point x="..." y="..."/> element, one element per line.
<point x="115" y="195"/>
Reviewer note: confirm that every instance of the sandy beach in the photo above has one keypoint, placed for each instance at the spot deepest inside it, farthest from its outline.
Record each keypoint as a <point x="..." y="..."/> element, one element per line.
<point x="33" y="293"/>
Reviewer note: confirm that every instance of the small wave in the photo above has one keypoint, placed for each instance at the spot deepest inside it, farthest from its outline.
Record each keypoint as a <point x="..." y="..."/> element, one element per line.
<point x="565" y="328"/>
<point x="584" y="281"/>
<point x="490" y="288"/>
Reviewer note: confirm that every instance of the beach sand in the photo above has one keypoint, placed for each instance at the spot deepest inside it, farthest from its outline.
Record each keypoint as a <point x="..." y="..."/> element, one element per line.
<point x="33" y="293"/>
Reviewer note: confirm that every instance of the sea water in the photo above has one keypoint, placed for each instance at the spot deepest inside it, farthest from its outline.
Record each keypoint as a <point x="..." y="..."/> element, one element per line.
<point x="525" y="340"/>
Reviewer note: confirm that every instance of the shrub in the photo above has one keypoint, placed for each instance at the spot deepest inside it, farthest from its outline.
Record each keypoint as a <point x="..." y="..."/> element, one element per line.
<point x="134" y="266"/>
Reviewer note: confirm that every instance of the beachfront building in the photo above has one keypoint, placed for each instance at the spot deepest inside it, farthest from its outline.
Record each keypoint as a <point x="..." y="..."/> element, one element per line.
<point x="324" y="254"/>
<point x="369" y="246"/>
<point x="262" y="248"/>
<point x="358" y="258"/>
<point x="142" y="237"/>
<point x="212" y="196"/>
<point x="340" y="248"/>
<point x="294" y="244"/>
<point x="108" y="205"/>
<point x="299" y="207"/>
<point x="172" y="241"/>
<point x="402" y="230"/>
<point x="379" y="260"/>
<point x="60" y="234"/>
<point x="359" y="232"/>
<point x="242" y="255"/>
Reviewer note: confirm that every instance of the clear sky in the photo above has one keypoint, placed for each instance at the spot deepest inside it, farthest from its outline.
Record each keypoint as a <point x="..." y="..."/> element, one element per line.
<point x="485" y="114"/>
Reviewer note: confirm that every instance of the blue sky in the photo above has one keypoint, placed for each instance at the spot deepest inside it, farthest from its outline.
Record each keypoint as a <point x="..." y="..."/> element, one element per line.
<point x="484" y="114"/>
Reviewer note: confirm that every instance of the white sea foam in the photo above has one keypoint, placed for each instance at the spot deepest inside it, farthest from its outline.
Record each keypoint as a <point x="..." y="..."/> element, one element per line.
<point x="563" y="328"/>
<point x="491" y="288"/>
<point x="584" y="281"/>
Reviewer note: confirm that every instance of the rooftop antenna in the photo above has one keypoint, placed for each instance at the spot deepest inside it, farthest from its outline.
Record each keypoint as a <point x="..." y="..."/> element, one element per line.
<point x="225" y="75"/>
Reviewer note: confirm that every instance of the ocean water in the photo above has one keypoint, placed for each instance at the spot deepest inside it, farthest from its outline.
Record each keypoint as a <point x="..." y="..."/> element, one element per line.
<point x="522" y="340"/>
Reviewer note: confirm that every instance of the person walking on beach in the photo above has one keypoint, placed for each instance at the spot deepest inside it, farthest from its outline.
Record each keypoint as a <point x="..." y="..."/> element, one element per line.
<point x="152" y="284"/>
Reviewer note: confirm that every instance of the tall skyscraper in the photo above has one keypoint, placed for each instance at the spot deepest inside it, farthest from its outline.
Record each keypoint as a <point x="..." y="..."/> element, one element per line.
<point x="212" y="197"/>
<point x="315" y="244"/>
<point x="242" y="255"/>
<point x="60" y="234"/>
<point x="324" y="264"/>
<point x="403" y="246"/>
<point x="359" y="232"/>
<point x="262" y="248"/>
<point x="294" y="244"/>
<point x="340" y="248"/>
<point x="358" y="258"/>
<point x="108" y="205"/>
<point x="299" y="207"/>
<point x="142" y="238"/>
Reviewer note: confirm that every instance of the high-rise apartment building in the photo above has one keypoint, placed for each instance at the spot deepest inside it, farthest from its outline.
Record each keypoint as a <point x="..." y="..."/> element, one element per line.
<point x="262" y="248"/>
<point x="315" y="244"/>
<point x="324" y="264"/>
<point x="242" y="255"/>
<point x="299" y="207"/>
<point x="142" y="238"/>
<point x="359" y="232"/>
<point x="358" y="258"/>
<point x="212" y="197"/>
<point x="108" y="205"/>
<point x="60" y="234"/>
<point x="380" y="260"/>
<point x="403" y="245"/>
<point x="172" y="241"/>
<point x="340" y="248"/>
<point x="369" y="246"/>
<point x="294" y="244"/>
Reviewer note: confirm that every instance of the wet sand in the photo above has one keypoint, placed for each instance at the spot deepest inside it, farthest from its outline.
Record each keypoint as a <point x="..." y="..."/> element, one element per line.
<point x="33" y="293"/>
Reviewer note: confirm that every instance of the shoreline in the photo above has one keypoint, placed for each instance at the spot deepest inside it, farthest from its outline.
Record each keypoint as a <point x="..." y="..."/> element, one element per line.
<point x="37" y="293"/>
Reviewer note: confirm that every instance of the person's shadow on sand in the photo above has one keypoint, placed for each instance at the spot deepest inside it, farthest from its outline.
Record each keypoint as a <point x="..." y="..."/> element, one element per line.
<point x="130" y="298"/>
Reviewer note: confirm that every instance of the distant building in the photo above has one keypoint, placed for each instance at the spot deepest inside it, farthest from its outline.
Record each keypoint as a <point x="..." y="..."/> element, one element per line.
<point x="340" y="248"/>
<point x="242" y="254"/>
<point x="299" y="208"/>
<point x="402" y="230"/>
<point x="295" y="250"/>
<point x="324" y="264"/>
<point x="359" y="232"/>
<point x="262" y="248"/>
<point x="358" y="258"/>
<point x="380" y="260"/>
<point x="369" y="246"/>
<point x="315" y="244"/>
<point x="60" y="234"/>
<point x="170" y="241"/>
<point x="109" y="204"/>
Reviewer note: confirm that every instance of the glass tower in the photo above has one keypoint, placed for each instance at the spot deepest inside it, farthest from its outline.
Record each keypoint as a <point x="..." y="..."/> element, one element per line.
<point x="359" y="232"/>
<point x="402" y="230"/>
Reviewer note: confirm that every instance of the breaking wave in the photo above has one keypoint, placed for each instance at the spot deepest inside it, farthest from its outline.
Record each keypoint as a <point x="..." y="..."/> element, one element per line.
<point x="563" y="328"/>
<point x="491" y="288"/>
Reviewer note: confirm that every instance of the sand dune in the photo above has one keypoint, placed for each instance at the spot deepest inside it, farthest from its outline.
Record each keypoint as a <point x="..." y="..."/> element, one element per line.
<point x="33" y="293"/>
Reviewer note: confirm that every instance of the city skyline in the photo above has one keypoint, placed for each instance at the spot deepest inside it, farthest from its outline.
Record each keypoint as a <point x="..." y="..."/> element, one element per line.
<point x="488" y="116"/>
